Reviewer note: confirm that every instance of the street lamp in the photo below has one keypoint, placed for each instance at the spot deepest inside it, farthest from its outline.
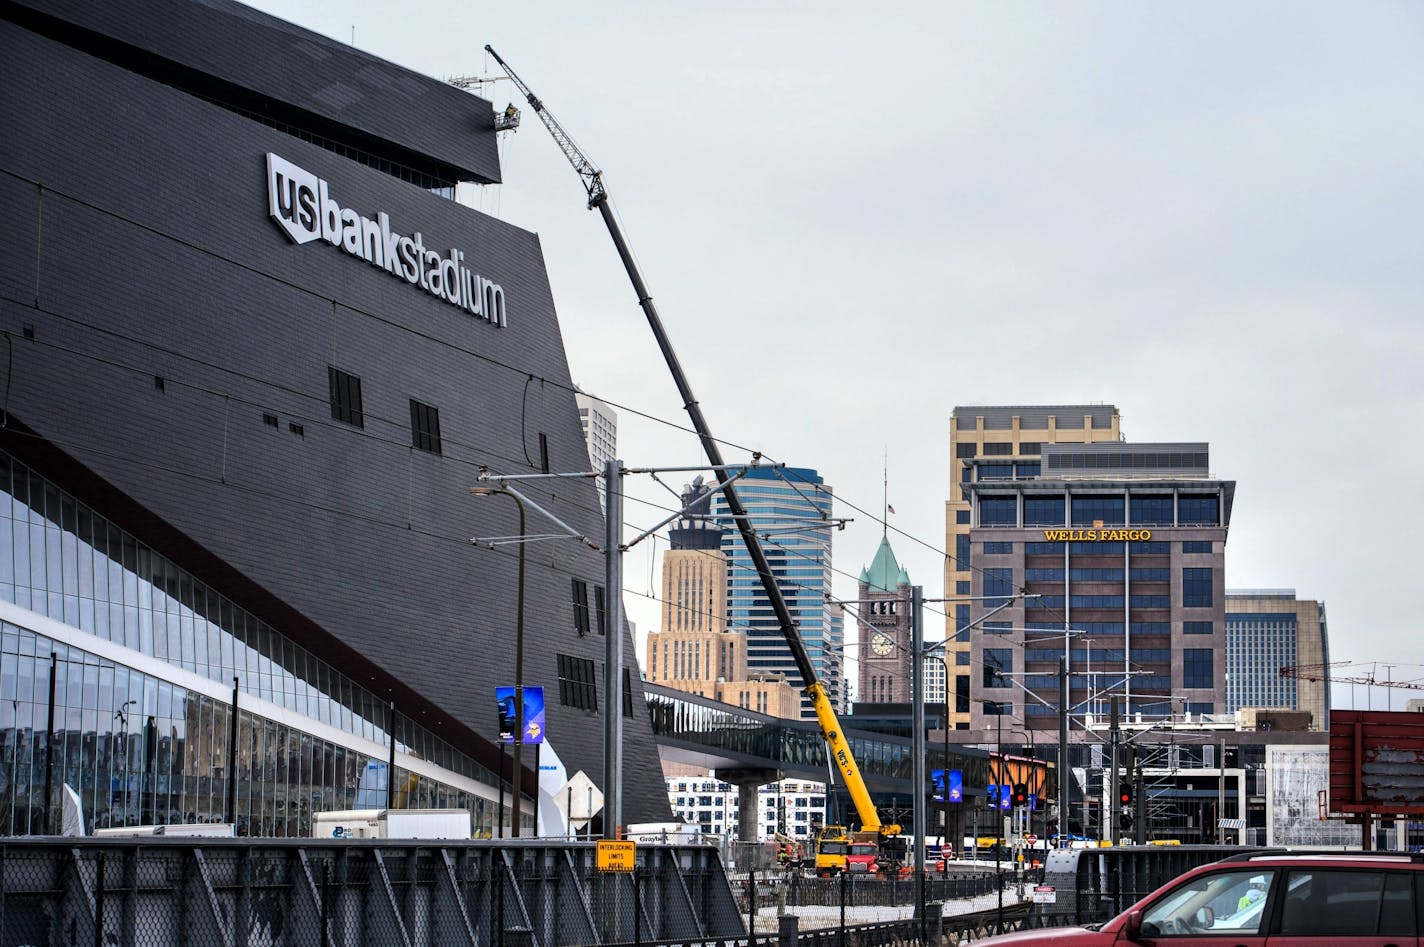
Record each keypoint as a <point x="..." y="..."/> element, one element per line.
<point x="518" y="665"/>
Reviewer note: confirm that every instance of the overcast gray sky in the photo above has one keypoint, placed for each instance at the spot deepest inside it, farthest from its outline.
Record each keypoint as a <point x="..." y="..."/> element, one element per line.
<point x="1205" y="213"/>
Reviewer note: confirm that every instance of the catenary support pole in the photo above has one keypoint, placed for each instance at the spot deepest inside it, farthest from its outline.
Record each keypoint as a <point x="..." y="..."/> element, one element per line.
<point x="917" y="721"/>
<point x="613" y="652"/>
<point x="232" y="760"/>
<point x="49" y="810"/>
<point x="1114" y="806"/>
<point x="391" y="762"/>
<point x="1065" y="769"/>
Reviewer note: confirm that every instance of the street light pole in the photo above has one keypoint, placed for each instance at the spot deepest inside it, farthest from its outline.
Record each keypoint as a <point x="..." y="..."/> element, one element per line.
<point x="517" y="808"/>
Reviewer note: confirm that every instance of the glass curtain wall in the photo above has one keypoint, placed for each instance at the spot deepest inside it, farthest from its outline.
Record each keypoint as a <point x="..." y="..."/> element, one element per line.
<point x="144" y="749"/>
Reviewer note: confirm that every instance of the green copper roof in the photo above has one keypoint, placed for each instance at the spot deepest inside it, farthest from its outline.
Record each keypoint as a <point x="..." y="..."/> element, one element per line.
<point x="884" y="573"/>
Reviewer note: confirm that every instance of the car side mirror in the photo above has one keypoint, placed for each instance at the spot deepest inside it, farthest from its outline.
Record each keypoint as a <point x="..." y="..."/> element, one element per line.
<point x="1132" y="927"/>
<point x="1205" y="917"/>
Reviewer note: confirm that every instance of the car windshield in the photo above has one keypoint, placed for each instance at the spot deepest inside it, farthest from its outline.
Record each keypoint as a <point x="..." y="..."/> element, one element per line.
<point x="1224" y="900"/>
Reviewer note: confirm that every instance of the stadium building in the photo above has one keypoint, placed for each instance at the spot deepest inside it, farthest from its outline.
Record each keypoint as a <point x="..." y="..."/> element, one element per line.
<point x="255" y="356"/>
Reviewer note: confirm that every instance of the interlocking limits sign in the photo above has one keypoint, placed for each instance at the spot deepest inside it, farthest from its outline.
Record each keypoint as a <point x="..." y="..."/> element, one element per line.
<point x="615" y="855"/>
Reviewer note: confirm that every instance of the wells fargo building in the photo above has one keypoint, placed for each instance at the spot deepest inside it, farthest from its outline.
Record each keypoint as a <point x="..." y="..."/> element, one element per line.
<point x="1107" y="553"/>
<point x="254" y="358"/>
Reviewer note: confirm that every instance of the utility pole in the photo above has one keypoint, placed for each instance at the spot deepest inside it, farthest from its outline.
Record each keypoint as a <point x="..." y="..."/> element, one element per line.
<point x="613" y="654"/>
<point x="917" y="721"/>
<point x="1065" y="772"/>
<point x="1114" y="806"/>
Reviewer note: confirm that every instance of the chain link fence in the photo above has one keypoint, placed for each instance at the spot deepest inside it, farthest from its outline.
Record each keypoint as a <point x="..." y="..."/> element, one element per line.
<point x="261" y="894"/>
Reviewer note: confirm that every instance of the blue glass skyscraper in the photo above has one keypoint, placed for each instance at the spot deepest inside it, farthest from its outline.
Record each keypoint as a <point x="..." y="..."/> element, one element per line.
<point x="790" y="509"/>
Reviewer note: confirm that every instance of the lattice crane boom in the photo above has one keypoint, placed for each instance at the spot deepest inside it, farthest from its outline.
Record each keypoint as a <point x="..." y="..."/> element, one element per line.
<point x="592" y="177"/>
<point x="1327" y="672"/>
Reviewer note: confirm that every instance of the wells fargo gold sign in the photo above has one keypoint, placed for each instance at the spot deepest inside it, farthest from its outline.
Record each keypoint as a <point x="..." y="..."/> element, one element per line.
<point x="1097" y="535"/>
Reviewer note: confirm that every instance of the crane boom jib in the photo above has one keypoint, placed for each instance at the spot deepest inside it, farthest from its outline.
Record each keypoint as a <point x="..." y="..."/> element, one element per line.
<point x="836" y="744"/>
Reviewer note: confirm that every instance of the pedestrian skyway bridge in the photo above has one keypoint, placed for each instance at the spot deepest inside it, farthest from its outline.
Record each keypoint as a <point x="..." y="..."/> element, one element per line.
<point x="732" y="741"/>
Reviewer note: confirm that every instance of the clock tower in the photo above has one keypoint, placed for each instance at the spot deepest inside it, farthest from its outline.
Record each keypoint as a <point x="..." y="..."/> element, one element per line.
<point x="883" y="630"/>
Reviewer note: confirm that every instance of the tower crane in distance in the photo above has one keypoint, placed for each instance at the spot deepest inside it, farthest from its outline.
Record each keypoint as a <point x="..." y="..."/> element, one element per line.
<point x="1326" y="672"/>
<point x="838" y="747"/>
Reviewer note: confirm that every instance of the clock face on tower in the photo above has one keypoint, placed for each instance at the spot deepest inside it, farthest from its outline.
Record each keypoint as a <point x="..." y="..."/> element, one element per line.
<point x="882" y="644"/>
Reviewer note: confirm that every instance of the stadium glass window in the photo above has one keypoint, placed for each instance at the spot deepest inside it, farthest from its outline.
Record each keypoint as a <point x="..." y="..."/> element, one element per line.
<point x="1197" y="588"/>
<point x="1195" y="510"/>
<point x="1151" y="510"/>
<point x="998" y="663"/>
<point x="1109" y="510"/>
<point x="1198" y="667"/>
<point x="1198" y="627"/>
<point x="1043" y="511"/>
<point x="577" y="685"/>
<point x="424" y="427"/>
<point x="345" y="397"/>
<point x="998" y="511"/>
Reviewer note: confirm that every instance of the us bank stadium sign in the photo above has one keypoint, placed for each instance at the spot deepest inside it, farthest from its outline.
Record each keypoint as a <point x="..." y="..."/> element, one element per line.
<point x="302" y="205"/>
<point x="1097" y="535"/>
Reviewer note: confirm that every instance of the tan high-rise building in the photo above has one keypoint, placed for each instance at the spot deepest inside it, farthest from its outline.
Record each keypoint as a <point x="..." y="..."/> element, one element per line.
<point x="694" y="651"/>
<point x="1266" y="630"/>
<point x="1011" y="436"/>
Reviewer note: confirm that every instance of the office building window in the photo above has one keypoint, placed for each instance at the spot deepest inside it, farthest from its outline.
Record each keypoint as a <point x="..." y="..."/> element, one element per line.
<point x="1203" y="546"/>
<point x="345" y="397"/>
<point x="424" y="427"/>
<point x="1043" y="511"/>
<point x="1196" y="588"/>
<point x="961" y="617"/>
<point x="961" y="517"/>
<point x="998" y="549"/>
<point x="998" y="708"/>
<point x="961" y="659"/>
<point x="996" y="471"/>
<point x="961" y="693"/>
<point x="998" y="511"/>
<point x="961" y="552"/>
<point x="1196" y="510"/>
<point x="963" y="451"/>
<point x="1198" y="627"/>
<point x="598" y="603"/>
<point x="577" y="685"/>
<point x="1043" y="549"/>
<point x="998" y="664"/>
<point x="1088" y="510"/>
<point x="962" y="587"/>
<point x="998" y="582"/>
<point x="1198" y="669"/>
<point x="998" y="450"/>
<point x="1151" y="510"/>
<point x="580" y="599"/>
<point x="996" y="628"/>
<point x="1029" y="447"/>
<point x="1027" y="471"/>
<point x="1198" y="708"/>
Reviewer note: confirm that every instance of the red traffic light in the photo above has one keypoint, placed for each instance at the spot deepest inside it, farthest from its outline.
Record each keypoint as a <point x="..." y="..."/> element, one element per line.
<point x="1124" y="794"/>
<point x="1020" y="794"/>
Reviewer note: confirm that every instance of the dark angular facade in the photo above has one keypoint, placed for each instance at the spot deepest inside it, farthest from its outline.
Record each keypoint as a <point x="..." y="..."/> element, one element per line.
<point x="178" y="363"/>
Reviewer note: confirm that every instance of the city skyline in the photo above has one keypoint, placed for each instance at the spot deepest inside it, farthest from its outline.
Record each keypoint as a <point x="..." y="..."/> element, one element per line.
<point x="1189" y="212"/>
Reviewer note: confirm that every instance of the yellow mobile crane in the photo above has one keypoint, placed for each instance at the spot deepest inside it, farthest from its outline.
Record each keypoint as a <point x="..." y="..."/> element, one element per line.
<point x="871" y="828"/>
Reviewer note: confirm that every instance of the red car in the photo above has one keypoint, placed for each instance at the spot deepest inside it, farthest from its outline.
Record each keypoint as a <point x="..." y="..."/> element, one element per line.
<point x="1269" y="899"/>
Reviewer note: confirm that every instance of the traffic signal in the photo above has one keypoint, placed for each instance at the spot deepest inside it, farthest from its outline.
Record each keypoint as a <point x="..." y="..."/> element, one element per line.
<point x="1124" y="793"/>
<point x="1020" y="794"/>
